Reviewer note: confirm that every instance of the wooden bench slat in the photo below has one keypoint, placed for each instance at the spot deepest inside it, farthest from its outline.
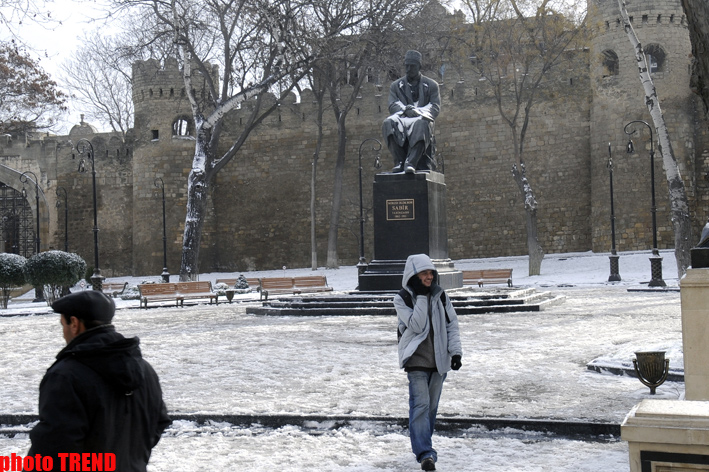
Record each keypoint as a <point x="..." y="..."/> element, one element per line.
<point x="114" y="289"/>
<point x="480" y="277"/>
<point x="294" y="285"/>
<point x="179" y="292"/>
<point x="196" y="289"/>
<point x="254" y="282"/>
<point x="163" y="291"/>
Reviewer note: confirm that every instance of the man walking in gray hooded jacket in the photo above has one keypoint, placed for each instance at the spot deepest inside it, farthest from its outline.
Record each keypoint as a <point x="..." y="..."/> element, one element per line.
<point x="429" y="347"/>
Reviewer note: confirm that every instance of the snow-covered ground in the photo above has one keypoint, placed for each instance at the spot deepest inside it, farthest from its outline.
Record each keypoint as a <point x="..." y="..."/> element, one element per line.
<point x="219" y="360"/>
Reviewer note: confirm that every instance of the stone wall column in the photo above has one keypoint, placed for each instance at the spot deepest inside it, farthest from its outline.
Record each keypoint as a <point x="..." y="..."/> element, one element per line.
<point x="694" y="288"/>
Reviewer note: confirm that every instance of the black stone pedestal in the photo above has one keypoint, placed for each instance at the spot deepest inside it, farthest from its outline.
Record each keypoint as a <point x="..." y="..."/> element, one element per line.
<point x="409" y="218"/>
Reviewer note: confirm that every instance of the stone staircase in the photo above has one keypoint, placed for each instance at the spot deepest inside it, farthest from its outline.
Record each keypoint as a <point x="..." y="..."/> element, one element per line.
<point x="465" y="301"/>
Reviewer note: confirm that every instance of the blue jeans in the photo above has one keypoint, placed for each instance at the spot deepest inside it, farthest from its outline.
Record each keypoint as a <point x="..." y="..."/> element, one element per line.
<point x="424" y="393"/>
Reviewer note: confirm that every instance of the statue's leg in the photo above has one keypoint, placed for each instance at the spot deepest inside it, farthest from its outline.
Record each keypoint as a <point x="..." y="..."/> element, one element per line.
<point x="413" y="157"/>
<point x="398" y="152"/>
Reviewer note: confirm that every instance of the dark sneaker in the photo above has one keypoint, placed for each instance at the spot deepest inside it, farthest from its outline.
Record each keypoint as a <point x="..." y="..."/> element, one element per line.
<point x="428" y="464"/>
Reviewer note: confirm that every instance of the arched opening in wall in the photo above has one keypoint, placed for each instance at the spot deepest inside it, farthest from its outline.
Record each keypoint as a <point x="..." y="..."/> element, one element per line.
<point x="182" y="126"/>
<point x="655" y="58"/>
<point x="610" y="63"/>
<point x="16" y="223"/>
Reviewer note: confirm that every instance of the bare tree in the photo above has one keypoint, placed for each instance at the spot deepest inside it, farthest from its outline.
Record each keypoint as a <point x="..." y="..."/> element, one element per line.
<point x="368" y="50"/>
<point x="260" y="46"/>
<point x="679" y="203"/>
<point x="514" y="46"/>
<point x="100" y="77"/>
<point x="697" y="12"/>
<point x="319" y="90"/>
<point x="15" y="13"/>
<point x="29" y="99"/>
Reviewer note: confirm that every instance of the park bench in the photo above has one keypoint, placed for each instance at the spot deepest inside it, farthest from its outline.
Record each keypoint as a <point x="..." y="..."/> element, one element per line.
<point x="490" y="276"/>
<point x="294" y="285"/>
<point x="314" y="283"/>
<point x="195" y="290"/>
<point x="179" y="292"/>
<point x="254" y="282"/>
<point x="275" y="285"/>
<point x="113" y="289"/>
<point x="157" y="292"/>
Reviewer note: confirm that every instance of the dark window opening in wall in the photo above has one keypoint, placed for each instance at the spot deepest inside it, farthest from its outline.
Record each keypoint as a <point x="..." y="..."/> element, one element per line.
<point x="17" y="230"/>
<point x="655" y="58"/>
<point x="644" y="19"/>
<point x="659" y="18"/>
<point x="610" y="63"/>
<point x="182" y="126"/>
<point x="156" y="135"/>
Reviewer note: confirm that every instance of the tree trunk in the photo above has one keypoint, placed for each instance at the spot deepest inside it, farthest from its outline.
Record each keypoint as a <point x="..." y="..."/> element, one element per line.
<point x="332" y="259"/>
<point x="313" y="242"/>
<point x="536" y="253"/>
<point x="679" y="202"/>
<point x="697" y="12"/>
<point x="316" y="155"/>
<point x="197" y="192"/>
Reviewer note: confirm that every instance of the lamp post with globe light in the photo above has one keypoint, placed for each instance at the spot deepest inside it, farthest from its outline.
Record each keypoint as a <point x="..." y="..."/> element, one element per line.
<point x="84" y="147"/>
<point x="39" y="293"/>
<point x="61" y="191"/>
<point x="655" y="259"/>
<point x="376" y="146"/>
<point x="165" y="274"/>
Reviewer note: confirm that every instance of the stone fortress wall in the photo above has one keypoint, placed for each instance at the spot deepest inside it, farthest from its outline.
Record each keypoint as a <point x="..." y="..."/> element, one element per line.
<point x="259" y="216"/>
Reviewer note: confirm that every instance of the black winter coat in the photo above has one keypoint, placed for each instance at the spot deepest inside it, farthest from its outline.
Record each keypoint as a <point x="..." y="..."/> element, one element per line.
<point x="100" y="396"/>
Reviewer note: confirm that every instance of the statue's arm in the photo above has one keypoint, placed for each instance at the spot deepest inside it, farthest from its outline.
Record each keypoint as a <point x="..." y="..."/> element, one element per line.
<point x="433" y="107"/>
<point x="395" y="103"/>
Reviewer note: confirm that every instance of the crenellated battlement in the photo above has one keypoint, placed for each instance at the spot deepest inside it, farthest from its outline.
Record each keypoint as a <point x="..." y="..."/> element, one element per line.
<point x="258" y="216"/>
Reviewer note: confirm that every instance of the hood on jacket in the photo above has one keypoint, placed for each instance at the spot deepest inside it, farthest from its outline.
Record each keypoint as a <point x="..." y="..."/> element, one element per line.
<point x="115" y="358"/>
<point x="417" y="263"/>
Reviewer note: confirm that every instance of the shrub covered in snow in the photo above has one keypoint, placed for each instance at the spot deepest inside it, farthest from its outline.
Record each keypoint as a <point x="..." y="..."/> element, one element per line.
<point x="11" y="274"/>
<point x="131" y="292"/>
<point x="54" y="270"/>
<point x="241" y="283"/>
<point x="220" y="288"/>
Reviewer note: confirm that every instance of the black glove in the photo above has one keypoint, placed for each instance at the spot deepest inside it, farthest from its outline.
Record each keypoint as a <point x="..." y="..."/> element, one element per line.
<point x="455" y="362"/>
<point x="417" y="286"/>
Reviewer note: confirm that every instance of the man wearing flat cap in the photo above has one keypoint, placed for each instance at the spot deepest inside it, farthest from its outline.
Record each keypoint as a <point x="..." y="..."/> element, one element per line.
<point x="414" y="104"/>
<point x="100" y="396"/>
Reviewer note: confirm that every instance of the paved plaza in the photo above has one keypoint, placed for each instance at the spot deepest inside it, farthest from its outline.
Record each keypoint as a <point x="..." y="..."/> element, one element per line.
<point x="217" y="361"/>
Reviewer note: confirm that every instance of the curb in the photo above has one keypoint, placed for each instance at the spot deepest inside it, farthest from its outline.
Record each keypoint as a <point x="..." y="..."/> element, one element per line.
<point x="567" y="429"/>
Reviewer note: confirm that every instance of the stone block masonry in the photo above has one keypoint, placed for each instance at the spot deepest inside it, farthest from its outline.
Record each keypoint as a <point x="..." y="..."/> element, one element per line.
<point x="259" y="208"/>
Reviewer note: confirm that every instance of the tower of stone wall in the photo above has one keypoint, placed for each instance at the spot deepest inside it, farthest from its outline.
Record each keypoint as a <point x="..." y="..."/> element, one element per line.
<point x="619" y="98"/>
<point x="161" y="152"/>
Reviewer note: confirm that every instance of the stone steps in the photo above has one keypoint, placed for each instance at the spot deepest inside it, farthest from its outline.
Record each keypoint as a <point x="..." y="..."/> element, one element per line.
<point x="380" y="304"/>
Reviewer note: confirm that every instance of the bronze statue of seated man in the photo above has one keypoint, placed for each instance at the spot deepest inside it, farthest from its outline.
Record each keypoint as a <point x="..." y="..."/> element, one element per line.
<point x="414" y="104"/>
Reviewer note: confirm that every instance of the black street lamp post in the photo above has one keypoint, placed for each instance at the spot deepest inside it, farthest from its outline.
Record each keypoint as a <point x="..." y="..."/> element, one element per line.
<point x="614" y="276"/>
<point x="165" y="274"/>
<point x="62" y="191"/>
<point x="24" y="179"/>
<point x="84" y="146"/>
<point x="38" y="291"/>
<point x="655" y="259"/>
<point x="376" y="146"/>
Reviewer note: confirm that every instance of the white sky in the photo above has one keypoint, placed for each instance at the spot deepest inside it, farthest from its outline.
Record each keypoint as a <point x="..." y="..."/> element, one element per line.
<point x="53" y="44"/>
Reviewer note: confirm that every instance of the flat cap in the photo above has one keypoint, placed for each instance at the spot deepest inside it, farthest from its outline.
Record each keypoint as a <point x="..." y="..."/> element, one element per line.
<point x="86" y="305"/>
<point x="412" y="57"/>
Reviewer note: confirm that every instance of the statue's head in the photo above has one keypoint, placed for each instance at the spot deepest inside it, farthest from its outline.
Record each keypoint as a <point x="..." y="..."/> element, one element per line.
<point x="412" y="63"/>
